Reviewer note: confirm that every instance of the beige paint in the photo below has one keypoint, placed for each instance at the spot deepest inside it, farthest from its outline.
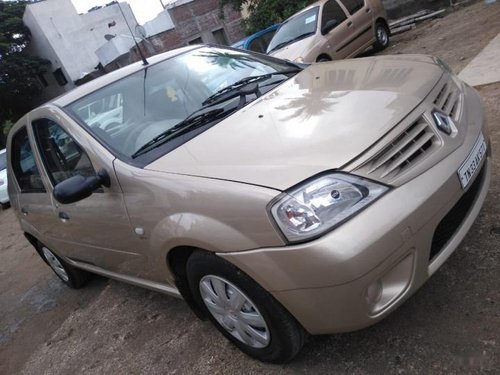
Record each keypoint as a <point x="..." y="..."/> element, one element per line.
<point x="216" y="198"/>
<point x="348" y="39"/>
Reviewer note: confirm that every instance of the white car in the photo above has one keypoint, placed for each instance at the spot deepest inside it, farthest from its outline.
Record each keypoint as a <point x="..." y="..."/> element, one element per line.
<point x="4" y="196"/>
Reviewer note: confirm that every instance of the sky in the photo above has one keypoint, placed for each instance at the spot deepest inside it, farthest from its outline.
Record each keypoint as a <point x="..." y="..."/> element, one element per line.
<point x="144" y="10"/>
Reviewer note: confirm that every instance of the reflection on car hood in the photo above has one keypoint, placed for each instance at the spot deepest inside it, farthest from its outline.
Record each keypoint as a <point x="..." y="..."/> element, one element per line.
<point x="319" y="120"/>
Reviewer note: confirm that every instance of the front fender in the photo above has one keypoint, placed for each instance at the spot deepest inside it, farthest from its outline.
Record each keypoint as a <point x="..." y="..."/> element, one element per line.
<point x="199" y="231"/>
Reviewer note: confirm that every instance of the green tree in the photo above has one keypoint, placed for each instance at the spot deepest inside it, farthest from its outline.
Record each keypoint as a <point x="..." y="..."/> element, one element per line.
<point x="264" y="13"/>
<point x="18" y="71"/>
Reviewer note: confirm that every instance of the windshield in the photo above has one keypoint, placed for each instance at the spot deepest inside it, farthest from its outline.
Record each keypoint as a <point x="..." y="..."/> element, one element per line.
<point x="3" y="161"/>
<point x="134" y="110"/>
<point x="302" y="25"/>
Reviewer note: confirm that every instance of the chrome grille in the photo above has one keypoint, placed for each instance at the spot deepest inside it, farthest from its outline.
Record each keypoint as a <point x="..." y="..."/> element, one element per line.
<point x="448" y="99"/>
<point x="403" y="152"/>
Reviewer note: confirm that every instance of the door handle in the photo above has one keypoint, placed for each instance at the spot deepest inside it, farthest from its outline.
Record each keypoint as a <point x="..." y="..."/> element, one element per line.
<point x="368" y="10"/>
<point x="24" y="211"/>
<point x="349" y="24"/>
<point x="63" y="216"/>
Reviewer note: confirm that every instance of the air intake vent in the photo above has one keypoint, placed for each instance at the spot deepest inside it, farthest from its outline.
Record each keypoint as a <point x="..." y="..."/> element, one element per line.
<point x="403" y="152"/>
<point x="448" y="100"/>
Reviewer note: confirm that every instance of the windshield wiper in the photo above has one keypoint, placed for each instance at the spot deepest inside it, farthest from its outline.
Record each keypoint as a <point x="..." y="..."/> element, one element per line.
<point x="191" y="122"/>
<point x="242" y="88"/>
<point x="290" y="41"/>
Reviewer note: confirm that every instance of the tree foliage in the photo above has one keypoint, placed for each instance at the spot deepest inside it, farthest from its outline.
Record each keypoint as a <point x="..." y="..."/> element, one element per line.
<point x="19" y="84"/>
<point x="264" y="13"/>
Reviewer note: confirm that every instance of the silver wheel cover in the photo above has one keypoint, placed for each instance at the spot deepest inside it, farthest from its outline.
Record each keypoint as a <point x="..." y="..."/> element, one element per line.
<point x="55" y="264"/>
<point x="234" y="311"/>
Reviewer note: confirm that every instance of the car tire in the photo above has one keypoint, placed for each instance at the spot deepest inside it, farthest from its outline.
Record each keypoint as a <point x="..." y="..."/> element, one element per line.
<point x="69" y="275"/>
<point x="256" y="323"/>
<point x="381" y="36"/>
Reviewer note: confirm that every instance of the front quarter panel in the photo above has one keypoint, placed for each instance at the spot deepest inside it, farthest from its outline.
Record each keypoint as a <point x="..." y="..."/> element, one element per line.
<point x="377" y="9"/>
<point x="182" y="211"/>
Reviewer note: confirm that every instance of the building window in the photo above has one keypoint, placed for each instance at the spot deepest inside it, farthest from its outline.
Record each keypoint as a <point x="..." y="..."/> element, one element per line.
<point x="42" y="80"/>
<point x="60" y="78"/>
<point x="220" y="37"/>
<point x="196" y="41"/>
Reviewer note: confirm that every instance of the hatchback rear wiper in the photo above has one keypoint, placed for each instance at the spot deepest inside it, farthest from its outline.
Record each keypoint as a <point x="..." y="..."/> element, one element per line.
<point x="243" y="88"/>
<point x="290" y="41"/>
<point x="192" y="122"/>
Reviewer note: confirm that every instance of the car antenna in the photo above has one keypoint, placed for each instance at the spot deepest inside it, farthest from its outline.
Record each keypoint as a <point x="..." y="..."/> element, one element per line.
<point x="144" y="61"/>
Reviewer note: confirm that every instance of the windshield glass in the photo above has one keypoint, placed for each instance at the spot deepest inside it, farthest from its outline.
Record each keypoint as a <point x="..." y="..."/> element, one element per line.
<point x="134" y="110"/>
<point x="302" y="25"/>
<point x="3" y="161"/>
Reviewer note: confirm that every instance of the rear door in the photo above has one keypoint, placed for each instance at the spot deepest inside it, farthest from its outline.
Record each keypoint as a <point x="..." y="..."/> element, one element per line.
<point x="27" y="189"/>
<point x="361" y="16"/>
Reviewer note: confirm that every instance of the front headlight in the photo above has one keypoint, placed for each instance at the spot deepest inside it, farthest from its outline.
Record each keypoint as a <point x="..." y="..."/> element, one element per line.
<point x="318" y="206"/>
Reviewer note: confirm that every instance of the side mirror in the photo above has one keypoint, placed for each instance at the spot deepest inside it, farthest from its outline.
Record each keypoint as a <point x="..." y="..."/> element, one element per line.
<point x="76" y="188"/>
<point x="329" y="26"/>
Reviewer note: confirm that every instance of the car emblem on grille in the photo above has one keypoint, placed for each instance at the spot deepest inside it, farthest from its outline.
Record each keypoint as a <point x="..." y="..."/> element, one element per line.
<point x="442" y="121"/>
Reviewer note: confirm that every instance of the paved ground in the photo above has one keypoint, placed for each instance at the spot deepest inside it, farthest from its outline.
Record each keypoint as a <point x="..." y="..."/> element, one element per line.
<point x="485" y="68"/>
<point x="452" y="325"/>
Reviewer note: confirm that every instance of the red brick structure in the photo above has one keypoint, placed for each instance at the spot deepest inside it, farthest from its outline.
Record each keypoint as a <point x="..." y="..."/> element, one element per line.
<point x="196" y="21"/>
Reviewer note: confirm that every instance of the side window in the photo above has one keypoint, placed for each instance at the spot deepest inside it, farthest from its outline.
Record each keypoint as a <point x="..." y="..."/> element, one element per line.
<point x="23" y="164"/>
<point x="332" y="12"/>
<point x="353" y="5"/>
<point x="62" y="156"/>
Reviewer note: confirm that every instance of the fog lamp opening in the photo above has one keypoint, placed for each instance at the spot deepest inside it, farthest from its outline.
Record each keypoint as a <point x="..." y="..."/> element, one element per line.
<point x="384" y="291"/>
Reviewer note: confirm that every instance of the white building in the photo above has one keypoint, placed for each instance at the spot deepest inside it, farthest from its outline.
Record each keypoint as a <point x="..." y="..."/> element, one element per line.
<point x="69" y="40"/>
<point x="162" y="22"/>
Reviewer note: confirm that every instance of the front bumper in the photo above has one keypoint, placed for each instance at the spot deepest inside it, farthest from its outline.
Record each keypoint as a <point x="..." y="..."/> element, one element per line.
<point x="360" y="272"/>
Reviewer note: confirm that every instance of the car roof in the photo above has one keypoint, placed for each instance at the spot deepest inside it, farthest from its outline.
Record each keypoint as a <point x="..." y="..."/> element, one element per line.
<point x="116" y="75"/>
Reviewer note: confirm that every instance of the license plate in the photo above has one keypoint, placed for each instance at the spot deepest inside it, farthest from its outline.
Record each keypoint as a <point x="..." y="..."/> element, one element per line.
<point x="473" y="161"/>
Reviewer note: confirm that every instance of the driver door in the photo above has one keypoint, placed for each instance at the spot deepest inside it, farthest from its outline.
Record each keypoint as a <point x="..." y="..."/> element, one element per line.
<point x="95" y="230"/>
<point x="361" y="15"/>
<point x="339" y="36"/>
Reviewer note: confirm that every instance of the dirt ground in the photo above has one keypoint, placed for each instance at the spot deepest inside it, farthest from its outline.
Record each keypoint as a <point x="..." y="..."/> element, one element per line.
<point x="452" y="325"/>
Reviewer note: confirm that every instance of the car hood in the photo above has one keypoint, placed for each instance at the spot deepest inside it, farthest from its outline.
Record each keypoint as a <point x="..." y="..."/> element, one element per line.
<point x="319" y="120"/>
<point x="295" y="49"/>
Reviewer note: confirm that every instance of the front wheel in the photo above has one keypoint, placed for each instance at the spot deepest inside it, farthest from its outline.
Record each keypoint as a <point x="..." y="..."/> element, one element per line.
<point x="242" y="310"/>
<point x="381" y="37"/>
